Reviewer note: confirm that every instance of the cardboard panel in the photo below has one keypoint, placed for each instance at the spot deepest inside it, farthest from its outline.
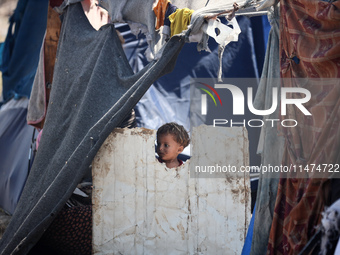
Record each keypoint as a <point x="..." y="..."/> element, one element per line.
<point x="142" y="207"/>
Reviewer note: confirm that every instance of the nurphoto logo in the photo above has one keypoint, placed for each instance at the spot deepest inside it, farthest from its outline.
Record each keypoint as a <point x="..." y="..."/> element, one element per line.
<point x="222" y="104"/>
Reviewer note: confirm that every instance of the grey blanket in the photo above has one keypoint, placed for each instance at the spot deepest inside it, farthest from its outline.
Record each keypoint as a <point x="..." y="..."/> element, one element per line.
<point x="93" y="90"/>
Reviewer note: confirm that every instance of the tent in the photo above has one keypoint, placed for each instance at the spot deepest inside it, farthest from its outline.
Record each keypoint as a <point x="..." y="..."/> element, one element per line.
<point x="249" y="57"/>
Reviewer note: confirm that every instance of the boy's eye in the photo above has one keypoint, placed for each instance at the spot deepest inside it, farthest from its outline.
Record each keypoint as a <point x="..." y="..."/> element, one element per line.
<point x="166" y="145"/>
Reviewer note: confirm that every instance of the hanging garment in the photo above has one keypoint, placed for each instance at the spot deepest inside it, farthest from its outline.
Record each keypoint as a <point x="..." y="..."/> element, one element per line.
<point x="22" y="47"/>
<point x="40" y="93"/>
<point x="180" y="20"/>
<point x="309" y="58"/>
<point x="167" y="99"/>
<point x="271" y="144"/>
<point x="94" y="89"/>
<point x="160" y="10"/>
<point x="166" y="26"/>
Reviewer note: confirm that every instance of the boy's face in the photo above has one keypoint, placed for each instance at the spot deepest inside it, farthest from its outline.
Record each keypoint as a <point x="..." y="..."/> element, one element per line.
<point x="167" y="148"/>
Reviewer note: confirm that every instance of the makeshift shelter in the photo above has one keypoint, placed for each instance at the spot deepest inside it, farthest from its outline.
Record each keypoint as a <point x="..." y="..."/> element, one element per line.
<point x="169" y="97"/>
<point x="87" y="126"/>
<point x="296" y="61"/>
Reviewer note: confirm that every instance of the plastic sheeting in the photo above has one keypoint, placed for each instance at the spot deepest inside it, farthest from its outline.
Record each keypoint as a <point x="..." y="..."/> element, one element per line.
<point x="169" y="97"/>
<point x="271" y="146"/>
<point x="15" y="142"/>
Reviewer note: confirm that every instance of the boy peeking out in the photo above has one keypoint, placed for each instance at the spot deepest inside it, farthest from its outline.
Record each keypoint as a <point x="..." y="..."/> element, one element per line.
<point x="172" y="138"/>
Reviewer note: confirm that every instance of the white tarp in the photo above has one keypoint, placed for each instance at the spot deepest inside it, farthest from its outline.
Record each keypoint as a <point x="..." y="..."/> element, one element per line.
<point x="142" y="207"/>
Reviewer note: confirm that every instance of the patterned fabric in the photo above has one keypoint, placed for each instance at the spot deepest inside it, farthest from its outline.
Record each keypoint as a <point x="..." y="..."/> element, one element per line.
<point x="160" y="10"/>
<point x="71" y="232"/>
<point x="309" y="48"/>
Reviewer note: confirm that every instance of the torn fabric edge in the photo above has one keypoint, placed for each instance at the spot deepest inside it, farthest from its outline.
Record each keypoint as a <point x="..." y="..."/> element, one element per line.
<point x="223" y="38"/>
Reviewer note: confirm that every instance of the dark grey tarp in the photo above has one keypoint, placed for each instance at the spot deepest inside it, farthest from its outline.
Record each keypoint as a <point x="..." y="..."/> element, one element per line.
<point x="94" y="88"/>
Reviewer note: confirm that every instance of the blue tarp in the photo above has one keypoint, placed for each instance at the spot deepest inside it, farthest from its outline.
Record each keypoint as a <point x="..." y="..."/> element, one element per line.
<point x="22" y="47"/>
<point x="247" y="244"/>
<point x="18" y="63"/>
<point x="169" y="97"/>
<point x="15" y="142"/>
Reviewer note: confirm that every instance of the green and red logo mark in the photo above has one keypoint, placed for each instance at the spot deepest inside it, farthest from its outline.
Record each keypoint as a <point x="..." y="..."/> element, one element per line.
<point x="204" y="97"/>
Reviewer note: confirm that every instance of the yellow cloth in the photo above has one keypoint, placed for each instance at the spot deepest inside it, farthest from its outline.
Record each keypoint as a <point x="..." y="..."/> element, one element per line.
<point x="160" y="10"/>
<point x="180" y="20"/>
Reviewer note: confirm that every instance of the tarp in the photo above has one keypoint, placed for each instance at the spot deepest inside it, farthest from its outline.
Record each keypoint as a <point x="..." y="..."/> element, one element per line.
<point x="21" y="48"/>
<point x="169" y="97"/>
<point x="247" y="243"/>
<point x="271" y="145"/>
<point x="94" y="88"/>
<point x="15" y="142"/>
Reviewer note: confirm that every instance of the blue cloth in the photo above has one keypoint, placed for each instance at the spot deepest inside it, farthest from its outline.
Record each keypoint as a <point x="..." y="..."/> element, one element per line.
<point x="22" y="47"/>
<point x="170" y="10"/>
<point x="15" y="142"/>
<point x="247" y="244"/>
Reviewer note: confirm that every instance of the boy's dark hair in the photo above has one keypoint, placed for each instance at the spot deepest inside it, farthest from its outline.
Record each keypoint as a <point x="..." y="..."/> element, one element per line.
<point x="178" y="131"/>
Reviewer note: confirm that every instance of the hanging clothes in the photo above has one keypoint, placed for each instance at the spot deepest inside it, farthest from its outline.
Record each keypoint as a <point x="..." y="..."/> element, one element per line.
<point x="166" y="27"/>
<point x="309" y="58"/>
<point x="271" y="143"/>
<point x="22" y="47"/>
<point x="40" y="94"/>
<point x="180" y="20"/>
<point x="160" y="10"/>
